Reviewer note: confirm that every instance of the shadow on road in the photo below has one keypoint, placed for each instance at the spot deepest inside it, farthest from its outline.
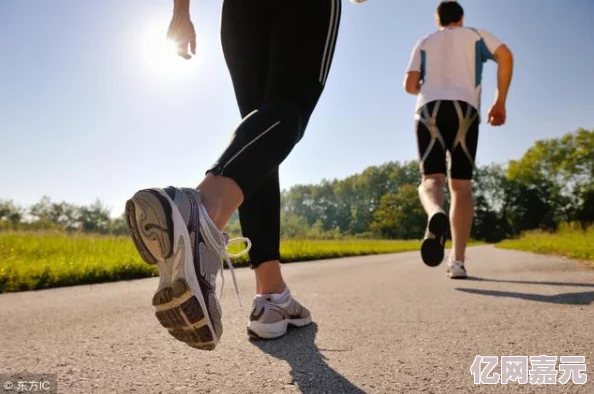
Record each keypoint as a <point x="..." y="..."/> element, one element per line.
<point x="309" y="370"/>
<point x="524" y="282"/>
<point x="584" y="298"/>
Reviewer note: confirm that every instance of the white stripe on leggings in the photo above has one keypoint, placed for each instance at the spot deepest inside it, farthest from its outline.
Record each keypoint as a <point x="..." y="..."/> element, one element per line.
<point x="330" y="40"/>
<point x="250" y="143"/>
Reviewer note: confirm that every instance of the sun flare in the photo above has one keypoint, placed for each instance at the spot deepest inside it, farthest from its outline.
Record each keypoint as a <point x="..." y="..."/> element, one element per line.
<point x="160" y="56"/>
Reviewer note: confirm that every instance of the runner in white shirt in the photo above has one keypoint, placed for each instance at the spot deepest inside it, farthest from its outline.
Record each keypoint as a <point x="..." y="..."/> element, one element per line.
<point x="445" y="71"/>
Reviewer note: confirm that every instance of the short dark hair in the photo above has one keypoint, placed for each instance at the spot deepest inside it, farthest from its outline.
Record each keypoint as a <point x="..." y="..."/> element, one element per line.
<point x="449" y="12"/>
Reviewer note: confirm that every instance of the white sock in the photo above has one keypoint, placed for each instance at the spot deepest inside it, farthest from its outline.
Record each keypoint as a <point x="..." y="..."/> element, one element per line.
<point x="276" y="297"/>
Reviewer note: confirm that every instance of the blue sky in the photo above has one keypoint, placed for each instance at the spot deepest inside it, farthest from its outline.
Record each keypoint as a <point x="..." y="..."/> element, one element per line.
<point x="88" y="110"/>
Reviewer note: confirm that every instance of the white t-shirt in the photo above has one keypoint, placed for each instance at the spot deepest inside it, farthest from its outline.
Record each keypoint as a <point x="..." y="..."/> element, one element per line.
<point x="451" y="64"/>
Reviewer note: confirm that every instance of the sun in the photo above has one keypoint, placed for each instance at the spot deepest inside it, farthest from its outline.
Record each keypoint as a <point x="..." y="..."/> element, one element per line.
<point x="160" y="56"/>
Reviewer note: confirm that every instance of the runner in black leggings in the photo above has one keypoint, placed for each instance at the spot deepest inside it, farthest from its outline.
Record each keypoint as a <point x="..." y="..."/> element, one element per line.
<point x="279" y="54"/>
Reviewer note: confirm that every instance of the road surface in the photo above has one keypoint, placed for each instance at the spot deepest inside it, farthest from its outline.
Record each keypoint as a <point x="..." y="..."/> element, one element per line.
<point x="383" y="324"/>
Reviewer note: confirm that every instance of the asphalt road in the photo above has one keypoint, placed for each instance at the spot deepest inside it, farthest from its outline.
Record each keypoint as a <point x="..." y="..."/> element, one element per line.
<point x="383" y="324"/>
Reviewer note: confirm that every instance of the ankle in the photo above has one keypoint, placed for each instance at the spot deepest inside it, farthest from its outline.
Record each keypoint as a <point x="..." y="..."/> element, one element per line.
<point x="271" y="288"/>
<point x="221" y="196"/>
<point x="213" y="209"/>
<point x="269" y="279"/>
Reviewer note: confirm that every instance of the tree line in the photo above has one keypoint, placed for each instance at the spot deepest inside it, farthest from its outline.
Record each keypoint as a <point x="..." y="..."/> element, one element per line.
<point x="62" y="216"/>
<point x="551" y="184"/>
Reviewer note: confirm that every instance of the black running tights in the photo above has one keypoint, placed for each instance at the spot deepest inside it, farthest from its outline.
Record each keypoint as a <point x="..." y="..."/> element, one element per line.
<point x="279" y="55"/>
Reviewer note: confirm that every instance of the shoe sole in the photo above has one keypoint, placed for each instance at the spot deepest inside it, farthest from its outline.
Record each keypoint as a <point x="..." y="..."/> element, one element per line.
<point x="161" y="238"/>
<point x="432" y="251"/>
<point x="460" y="276"/>
<point x="275" y="330"/>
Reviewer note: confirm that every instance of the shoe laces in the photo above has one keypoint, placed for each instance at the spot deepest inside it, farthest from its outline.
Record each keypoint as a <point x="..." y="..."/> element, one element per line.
<point x="221" y="249"/>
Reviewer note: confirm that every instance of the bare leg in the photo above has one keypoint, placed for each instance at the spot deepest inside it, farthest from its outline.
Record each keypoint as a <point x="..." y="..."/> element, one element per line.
<point x="431" y="192"/>
<point x="221" y="196"/>
<point x="461" y="216"/>
<point x="269" y="279"/>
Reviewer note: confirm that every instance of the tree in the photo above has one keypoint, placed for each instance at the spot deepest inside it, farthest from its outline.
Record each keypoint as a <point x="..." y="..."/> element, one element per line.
<point x="585" y="211"/>
<point x="41" y="211"/>
<point x="400" y="215"/>
<point x="94" y="218"/>
<point x="491" y="195"/>
<point x="348" y="205"/>
<point x="10" y="214"/>
<point x="118" y="226"/>
<point x="530" y="208"/>
<point x="64" y="215"/>
<point x="559" y="173"/>
<point x="293" y="226"/>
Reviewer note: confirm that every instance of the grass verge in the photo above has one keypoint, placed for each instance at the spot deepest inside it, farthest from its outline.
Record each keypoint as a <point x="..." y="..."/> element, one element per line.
<point x="32" y="261"/>
<point x="569" y="241"/>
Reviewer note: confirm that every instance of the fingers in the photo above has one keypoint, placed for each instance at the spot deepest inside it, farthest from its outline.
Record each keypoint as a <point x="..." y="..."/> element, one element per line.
<point x="497" y="115"/>
<point x="491" y="117"/>
<point x="193" y="46"/>
<point x="182" y="49"/>
<point x="181" y="31"/>
<point x="496" y="119"/>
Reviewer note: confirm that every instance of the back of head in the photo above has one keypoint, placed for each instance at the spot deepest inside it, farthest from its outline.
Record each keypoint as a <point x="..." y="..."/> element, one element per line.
<point x="449" y="13"/>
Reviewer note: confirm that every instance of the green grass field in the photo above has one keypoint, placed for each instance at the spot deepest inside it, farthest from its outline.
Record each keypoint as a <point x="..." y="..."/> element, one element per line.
<point x="569" y="241"/>
<point x="33" y="261"/>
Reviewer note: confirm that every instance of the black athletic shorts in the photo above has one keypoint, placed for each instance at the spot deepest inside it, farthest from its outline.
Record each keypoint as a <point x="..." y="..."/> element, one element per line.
<point x="450" y="128"/>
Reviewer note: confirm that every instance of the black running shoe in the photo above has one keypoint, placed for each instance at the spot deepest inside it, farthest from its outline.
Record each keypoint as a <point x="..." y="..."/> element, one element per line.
<point x="432" y="249"/>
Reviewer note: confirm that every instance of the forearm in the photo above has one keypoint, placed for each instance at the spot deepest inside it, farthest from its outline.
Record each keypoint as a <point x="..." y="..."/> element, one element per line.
<point x="412" y="82"/>
<point x="504" y="77"/>
<point x="414" y="92"/>
<point x="181" y="7"/>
